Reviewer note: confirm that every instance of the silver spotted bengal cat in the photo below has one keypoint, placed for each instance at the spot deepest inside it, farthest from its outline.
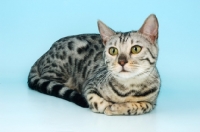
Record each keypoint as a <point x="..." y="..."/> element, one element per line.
<point x="112" y="72"/>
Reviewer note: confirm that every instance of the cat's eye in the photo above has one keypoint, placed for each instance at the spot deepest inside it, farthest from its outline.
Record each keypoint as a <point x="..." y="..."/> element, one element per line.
<point x="113" y="51"/>
<point x="136" y="49"/>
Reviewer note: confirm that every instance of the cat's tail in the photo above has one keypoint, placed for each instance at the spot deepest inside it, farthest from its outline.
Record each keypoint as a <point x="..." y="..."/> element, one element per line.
<point x="54" y="88"/>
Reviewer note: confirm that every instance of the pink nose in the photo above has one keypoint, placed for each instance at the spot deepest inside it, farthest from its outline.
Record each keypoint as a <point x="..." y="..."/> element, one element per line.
<point x="122" y="62"/>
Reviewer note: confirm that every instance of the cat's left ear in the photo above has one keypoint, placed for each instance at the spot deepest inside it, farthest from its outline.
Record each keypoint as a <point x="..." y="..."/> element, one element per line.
<point x="150" y="28"/>
<point x="105" y="31"/>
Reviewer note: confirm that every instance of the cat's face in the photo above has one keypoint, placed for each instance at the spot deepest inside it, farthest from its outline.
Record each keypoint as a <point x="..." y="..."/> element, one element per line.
<point x="131" y="54"/>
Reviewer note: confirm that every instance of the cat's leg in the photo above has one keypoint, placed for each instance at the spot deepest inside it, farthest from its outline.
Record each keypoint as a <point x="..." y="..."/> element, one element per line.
<point x="96" y="103"/>
<point x="129" y="108"/>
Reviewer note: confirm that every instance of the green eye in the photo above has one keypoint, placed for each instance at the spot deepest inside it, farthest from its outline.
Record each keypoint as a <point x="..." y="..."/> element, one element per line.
<point x="136" y="49"/>
<point x="113" y="51"/>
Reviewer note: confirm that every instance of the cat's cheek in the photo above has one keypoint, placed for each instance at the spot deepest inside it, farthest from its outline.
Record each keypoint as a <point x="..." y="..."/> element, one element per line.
<point x="118" y="68"/>
<point x="115" y="68"/>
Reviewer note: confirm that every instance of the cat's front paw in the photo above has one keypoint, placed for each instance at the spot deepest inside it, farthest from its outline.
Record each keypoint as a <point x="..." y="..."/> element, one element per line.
<point x="98" y="106"/>
<point x="108" y="111"/>
<point x="130" y="108"/>
<point x="114" y="109"/>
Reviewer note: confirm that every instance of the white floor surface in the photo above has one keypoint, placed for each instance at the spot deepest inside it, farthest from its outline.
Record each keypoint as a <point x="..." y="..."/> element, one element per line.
<point x="26" y="110"/>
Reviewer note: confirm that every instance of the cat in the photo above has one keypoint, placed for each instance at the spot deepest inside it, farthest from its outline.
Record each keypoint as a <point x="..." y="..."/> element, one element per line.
<point x="113" y="73"/>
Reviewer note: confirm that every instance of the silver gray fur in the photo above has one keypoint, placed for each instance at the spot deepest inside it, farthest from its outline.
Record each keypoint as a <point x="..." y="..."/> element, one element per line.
<point x="81" y="70"/>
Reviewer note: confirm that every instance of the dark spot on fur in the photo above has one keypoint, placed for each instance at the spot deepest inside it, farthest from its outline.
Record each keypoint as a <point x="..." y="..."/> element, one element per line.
<point x="59" y="74"/>
<point x="83" y="37"/>
<point x="90" y="98"/>
<point x="96" y="47"/>
<point x="89" y="43"/>
<point x="59" y="47"/>
<point x="54" y="65"/>
<point x="79" y="38"/>
<point x="95" y="67"/>
<point x="100" y="42"/>
<point x="129" y="112"/>
<point x="131" y="41"/>
<point x="61" y="57"/>
<point x="70" y="60"/>
<point x="91" y="52"/>
<point x="96" y="105"/>
<point x="48" y="60"/>
<point x="94" y="37"/>
<point x="84" y="71"/>
<point x="98" y="56"/>
<point x="71" y="45"/>
<point x="62" y="69"/>
<point x="89" y="62"/>
<point x="57" y="56"/>
<point x="52" y="56"/>
<point x="46" y="67"/>
<point x="64" y="53"/>
<point x="80" y="65"/>
<point x="82" y="49"/>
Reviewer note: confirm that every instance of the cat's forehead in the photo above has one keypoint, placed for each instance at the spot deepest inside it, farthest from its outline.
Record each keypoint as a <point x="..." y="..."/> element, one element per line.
<point x="129" y="38"/>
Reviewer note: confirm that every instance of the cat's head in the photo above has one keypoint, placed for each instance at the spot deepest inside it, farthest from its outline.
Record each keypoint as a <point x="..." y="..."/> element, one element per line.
<point x="133" y="53"/>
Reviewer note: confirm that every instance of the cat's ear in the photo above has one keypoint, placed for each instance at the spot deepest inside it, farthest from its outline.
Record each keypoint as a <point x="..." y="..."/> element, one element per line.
<point x="150" y="28"/>
<point x="105" y="31"/>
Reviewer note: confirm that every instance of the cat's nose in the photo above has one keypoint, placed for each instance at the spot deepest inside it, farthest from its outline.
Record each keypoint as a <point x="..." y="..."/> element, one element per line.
<point x="122" y="60"/>
<point x="122" y="63"/>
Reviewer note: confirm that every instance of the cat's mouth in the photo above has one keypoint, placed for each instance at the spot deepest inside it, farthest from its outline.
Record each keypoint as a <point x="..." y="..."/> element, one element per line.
<point x="123" y="70"/>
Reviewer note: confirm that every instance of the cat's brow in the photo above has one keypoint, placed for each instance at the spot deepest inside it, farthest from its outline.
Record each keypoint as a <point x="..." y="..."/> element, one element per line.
<point x="124" y="37"/>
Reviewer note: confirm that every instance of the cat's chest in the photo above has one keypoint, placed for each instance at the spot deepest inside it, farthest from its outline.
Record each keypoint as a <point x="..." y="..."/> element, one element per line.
<point x="119" y="93"/>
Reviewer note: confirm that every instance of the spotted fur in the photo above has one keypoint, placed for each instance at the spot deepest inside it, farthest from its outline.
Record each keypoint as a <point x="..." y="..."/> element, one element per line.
<point x="80" y="69"/>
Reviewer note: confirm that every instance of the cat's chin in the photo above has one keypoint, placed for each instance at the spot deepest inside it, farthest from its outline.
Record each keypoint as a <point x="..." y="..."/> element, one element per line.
<point x="125" y="75"/>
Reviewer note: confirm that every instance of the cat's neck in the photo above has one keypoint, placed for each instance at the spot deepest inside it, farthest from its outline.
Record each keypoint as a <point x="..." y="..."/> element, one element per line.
<point x="133" y="80"/>
<point x="128" y="81"/>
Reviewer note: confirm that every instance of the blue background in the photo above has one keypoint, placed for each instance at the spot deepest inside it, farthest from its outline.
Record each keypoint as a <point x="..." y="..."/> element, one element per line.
<point x="29" y="28"/>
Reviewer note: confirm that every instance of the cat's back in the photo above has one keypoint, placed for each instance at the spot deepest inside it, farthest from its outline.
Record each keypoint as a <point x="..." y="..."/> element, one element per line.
<point x="78" y="44"/>
<point x="74" y="46"/>
<point x="77" y="55"/>
<point x="77" y="50"/>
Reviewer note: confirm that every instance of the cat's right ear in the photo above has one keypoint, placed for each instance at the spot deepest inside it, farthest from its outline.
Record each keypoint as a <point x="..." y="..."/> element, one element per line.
<point x="105" y="31"/>
<point x="150" y="28"/>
